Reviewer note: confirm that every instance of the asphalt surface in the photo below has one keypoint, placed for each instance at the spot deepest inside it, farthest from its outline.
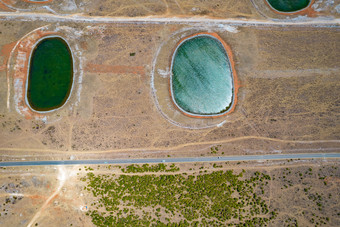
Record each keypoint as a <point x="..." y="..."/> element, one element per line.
<point x="176" y="160"/>
<point x="24" y="16"/>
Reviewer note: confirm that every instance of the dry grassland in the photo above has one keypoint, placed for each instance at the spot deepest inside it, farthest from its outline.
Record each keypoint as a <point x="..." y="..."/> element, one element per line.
<point x="289" y="92"/>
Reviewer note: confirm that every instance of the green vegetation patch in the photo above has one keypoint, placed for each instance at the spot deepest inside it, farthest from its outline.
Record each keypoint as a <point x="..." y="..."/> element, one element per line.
<point x="219" y="198"/>
<point x="153" y="168"/>
<point x="288" y="5"/>
<point x="50" y="74"/>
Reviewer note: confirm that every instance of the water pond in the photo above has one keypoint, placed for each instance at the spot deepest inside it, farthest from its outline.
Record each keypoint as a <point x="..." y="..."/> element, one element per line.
<point x="201" y="81"/>
<point x="50" y="74"/>
<point x="288" y="5"/>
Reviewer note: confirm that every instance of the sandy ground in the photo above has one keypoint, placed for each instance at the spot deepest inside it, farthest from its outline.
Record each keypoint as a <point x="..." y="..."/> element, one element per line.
<point x="288" y="100"/>
<point x="32" y="194"/>
<point x="256" y="9"/>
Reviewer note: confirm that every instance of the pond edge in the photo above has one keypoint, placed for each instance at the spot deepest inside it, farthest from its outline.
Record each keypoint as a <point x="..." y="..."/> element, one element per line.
<point x="231" y="63"/>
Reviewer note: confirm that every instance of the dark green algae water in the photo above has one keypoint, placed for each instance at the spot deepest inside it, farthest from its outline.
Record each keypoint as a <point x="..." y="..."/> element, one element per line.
<point x="202" y="81"/>
<point x="50" y="74"/>
<point x="288" y="5"/>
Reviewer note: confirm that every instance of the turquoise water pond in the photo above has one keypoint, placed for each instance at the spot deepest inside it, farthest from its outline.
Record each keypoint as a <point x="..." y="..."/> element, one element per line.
<point x="202" y="80"/>
<point x="289" y="5"/>
<point x="50" y="74"/>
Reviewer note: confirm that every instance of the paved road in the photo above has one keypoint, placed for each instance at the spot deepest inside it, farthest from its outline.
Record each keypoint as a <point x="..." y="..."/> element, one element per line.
<point x="324" y="22"/>
<point x="175" y="160"/>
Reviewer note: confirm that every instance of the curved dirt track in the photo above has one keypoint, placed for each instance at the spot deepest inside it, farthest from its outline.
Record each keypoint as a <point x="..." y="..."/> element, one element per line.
<point x="176" y="147"/>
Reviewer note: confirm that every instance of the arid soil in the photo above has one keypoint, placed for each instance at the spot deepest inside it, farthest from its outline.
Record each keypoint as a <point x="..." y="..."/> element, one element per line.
<point x="289" y="92"/>
<point x="132" y="8"/>
<point x="245" y="9"/>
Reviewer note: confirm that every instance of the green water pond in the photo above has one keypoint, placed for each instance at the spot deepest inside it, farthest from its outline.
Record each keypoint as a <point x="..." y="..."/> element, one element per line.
<point x="201" y="78"/>
<point x="288" y="5"/>
<point x="50" y="74"/>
